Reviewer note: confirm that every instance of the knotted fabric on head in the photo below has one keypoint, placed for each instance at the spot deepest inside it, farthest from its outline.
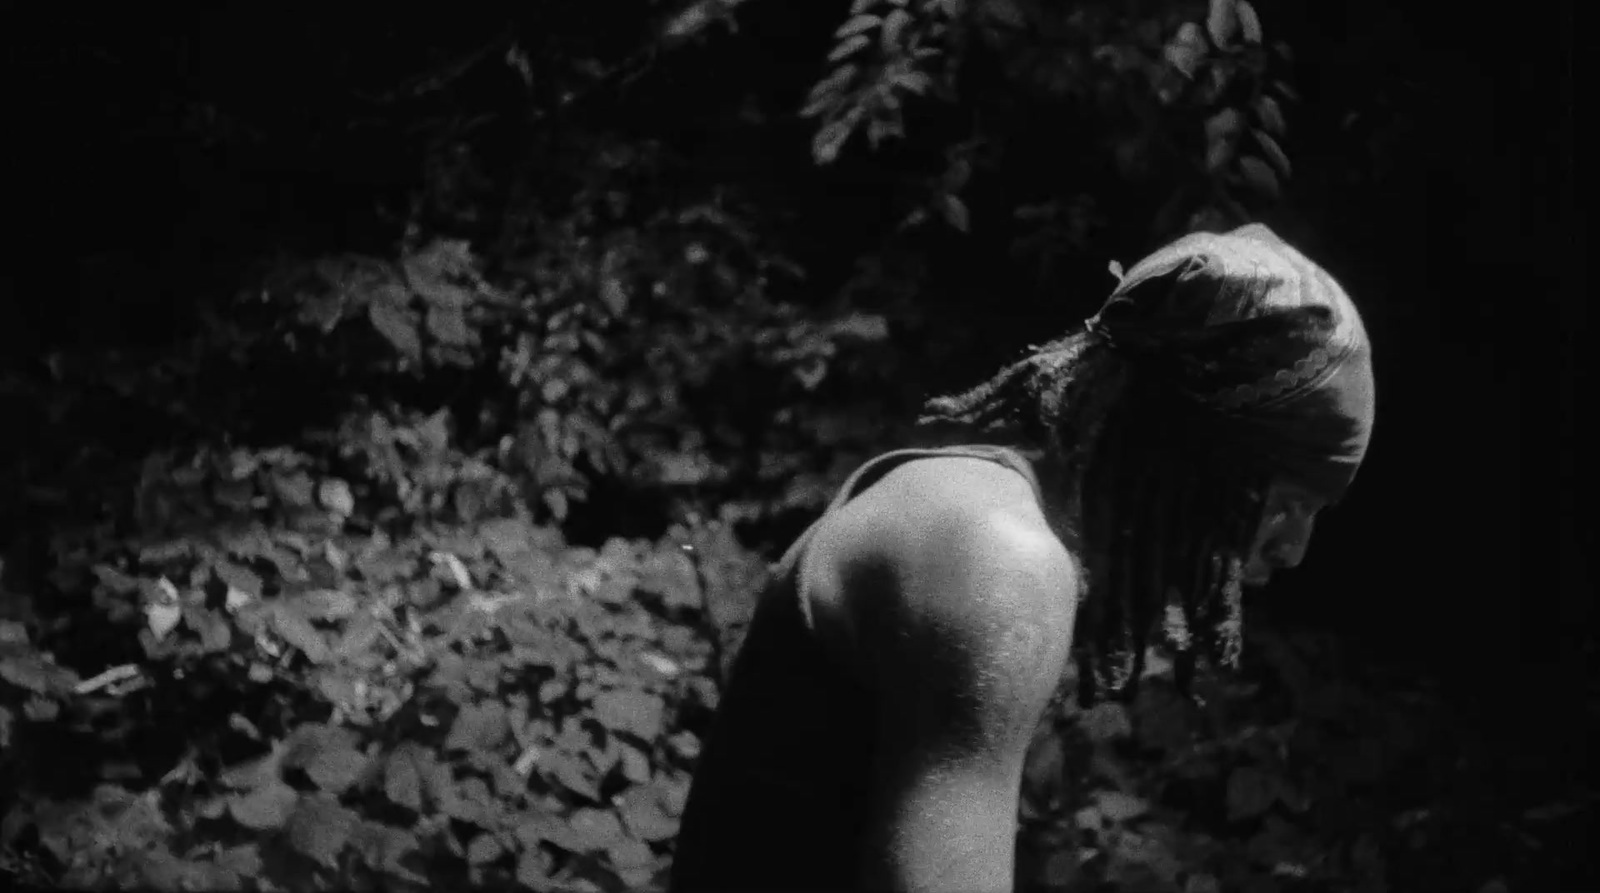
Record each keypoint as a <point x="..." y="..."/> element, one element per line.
<point x="1262" y="342"/>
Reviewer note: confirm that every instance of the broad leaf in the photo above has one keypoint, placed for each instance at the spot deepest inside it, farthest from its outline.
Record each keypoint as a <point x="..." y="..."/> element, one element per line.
<point x="298" y="631"/>
<point x="266" y="808"/>
<point x="336" y="770"/>
<point x="402" y="780"/>
<point x="481" y="726"/>
<point x="397" y="325"/>
<point x="635" y="712"/>
<point x="644" y="814"/>
<point x="1222" y="22"/>
<point x="320" y="828"/>
<point x="483" y="849"/>
<point x="1260" y="176"/>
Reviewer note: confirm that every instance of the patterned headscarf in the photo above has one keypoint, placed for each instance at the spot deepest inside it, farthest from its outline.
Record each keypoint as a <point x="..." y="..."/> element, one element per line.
<point x="1261" y="341"/>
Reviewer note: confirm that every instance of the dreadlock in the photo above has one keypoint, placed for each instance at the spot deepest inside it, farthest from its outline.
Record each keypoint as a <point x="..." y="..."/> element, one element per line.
<point x="1163" y="515"/>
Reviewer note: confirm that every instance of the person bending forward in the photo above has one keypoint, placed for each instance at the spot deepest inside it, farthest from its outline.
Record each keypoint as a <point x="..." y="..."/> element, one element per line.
<point x="1122" y="481"/>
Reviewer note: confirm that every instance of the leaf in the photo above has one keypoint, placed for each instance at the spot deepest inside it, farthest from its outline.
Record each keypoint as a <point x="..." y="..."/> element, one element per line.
<point x="266" y="808"/>
<point x="384" y="846"/>
<point x="630" y="853"/>
<point x="1259" y="175"/>
<point x="830" y="139"/>
<point x="1222" y="22"/>
<point x="645" y="816"/>
<point x="430" y="270"/>
<point x="1187" y="50"/>
<point x="448" y="326"/>
<point x="1249" y="22"/>
<point x="402" y="780"/>
<point x="635" y="763"/>
<point x="506" y="537"/>
<point x="398" y="326"/>
<point x="1184" y="58"/>
<point x="916" y="82"/>
<point x="162" y="616"/>
<point x="954" y="211"/>
<point x="29" y="671"/>
<point x="669" y="573"/>
<point x="323" y="310"/>
<point x="115" y="580"/>
<point x="636" y="712"/>
<point x="573" y="774"/>
<point x="482" y="726"/>
<point x="556" y="502"/>
<point x="254" y="774"/>
<point x="1119" y="807"/>
<point x="1270" y="115"/>
<point x="325" y="604"/>
<point x="893" y="26"/>
<point x="533" y="869"/>
<point x="298" y="631"/>
<point x="856" y="25"/>
<point x="685" y="744"/>
<point x="469" y="801"/>
<point x="312" y="738"/>
<point x="243" y="860"/>
<point x="320" y="828"/>
<point x="589" y="830"/>
<point x="455" y="571"/>
<point x="483" y="849"/>
<point x="848" y="46"/>
<point x="1218" y="155"/>
<point x="159" y="553"/>
<point x="1223" y="124"/>
<point x="336" y="770"/>
<point x="237" y="577"/>
<point x="585" y="831"/>
<point x="613" y="287"/>
<point x="334" y="495"/>
<point x="1251" y="792"/>
<point x="1274" y="152"/>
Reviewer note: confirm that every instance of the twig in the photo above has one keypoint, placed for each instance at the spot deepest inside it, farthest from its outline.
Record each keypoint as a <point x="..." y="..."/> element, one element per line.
<point x="109" y="677"/>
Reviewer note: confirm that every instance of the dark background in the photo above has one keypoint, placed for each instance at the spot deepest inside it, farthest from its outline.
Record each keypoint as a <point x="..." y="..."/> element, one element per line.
<point x="1463" y="546"/>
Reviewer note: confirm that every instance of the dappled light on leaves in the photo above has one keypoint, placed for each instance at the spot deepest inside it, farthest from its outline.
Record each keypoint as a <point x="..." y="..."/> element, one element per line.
<point x="412" y="554"/>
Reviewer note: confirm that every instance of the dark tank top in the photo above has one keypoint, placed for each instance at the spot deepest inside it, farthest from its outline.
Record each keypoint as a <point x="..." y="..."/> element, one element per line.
<point x="777" y="801"/>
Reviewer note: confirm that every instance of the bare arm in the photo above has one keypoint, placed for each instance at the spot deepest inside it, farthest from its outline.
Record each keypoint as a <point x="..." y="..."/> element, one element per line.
<point x="965" y="653"/>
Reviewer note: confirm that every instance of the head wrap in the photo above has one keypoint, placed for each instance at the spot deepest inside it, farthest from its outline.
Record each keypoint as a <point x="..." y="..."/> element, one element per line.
<point x="1260" y="342"/>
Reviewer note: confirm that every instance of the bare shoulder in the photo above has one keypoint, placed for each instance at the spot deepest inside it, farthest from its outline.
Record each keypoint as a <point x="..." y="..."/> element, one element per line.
<point x="954" y="548"/>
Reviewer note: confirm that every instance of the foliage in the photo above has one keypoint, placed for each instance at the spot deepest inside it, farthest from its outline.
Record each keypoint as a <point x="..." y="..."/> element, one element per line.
<point x="479" y="703"/>
<point x="1300" y="775"/>
<point x="1191" y="108"/>
<point x="411" y="556"/>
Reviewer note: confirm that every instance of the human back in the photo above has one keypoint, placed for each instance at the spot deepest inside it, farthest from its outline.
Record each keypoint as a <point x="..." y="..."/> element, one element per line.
<point x="933" y="597"/>
<point x="1186" y="436"/>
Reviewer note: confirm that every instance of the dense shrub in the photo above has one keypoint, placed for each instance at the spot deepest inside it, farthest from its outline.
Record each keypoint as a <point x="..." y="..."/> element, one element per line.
<point x="415" y="559"/>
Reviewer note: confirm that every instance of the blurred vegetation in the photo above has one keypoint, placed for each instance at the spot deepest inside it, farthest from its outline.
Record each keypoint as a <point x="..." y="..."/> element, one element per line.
<point x="383" y="495"/>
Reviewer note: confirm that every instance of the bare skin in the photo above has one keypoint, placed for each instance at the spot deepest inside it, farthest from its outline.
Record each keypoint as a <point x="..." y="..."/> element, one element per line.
<point x="948" y="585"/>
<point x="945" y="603"/>
<point x="1288" y="519"/>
